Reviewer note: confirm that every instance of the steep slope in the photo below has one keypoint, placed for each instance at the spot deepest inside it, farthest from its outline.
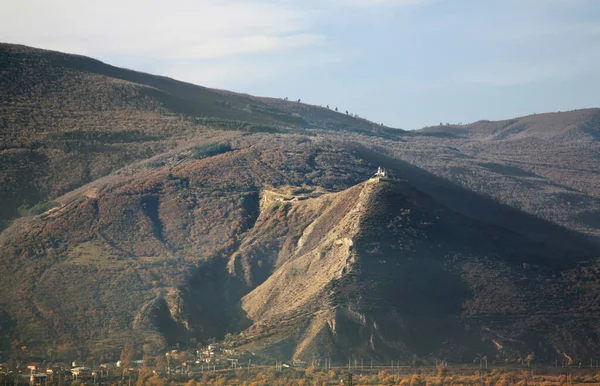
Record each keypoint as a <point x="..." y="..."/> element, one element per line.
<point x="544" y="164"/>
<point x="66" y="120"/>
<point x="120" y="254"/>
<point x="180" y="214"/>
<point x="227" y="244"/>
<point x="387" y="272"/>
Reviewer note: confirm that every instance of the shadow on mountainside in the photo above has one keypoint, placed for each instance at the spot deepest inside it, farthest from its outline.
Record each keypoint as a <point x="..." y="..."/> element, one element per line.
<point x="569" y="246"/>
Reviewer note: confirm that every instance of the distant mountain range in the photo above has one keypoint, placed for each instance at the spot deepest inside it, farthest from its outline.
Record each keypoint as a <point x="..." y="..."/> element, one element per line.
<point x="139" y="210"/>
<point x="568" y="126"/>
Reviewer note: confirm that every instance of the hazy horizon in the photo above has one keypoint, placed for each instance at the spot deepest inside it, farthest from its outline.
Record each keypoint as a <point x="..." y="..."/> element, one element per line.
<point x="404" y="63"/>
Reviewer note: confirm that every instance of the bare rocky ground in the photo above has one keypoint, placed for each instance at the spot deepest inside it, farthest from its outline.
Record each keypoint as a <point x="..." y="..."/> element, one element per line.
<point x="140" y="210"/>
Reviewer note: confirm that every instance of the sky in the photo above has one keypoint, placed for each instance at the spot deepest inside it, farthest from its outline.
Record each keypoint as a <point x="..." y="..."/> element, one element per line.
<point x="403" y="63"/>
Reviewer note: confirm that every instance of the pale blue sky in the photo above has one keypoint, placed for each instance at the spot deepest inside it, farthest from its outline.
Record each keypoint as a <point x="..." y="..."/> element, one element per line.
<point x="404" y="63"/>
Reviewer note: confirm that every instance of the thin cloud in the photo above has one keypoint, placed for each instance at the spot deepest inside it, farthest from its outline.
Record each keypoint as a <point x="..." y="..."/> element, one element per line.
<point x="230" y="73"/>
<point x="204" y="28"/>
<point x="368" y="3"/>
<point x="223" y="47"/>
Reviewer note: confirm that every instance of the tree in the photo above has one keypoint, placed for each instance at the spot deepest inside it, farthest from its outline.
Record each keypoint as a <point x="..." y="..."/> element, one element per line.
<point x="416" y="380"/>
<point x="310" y="370"/>
<point x="142" y="378"/>
<point x="156" y="381"/>
<point x="221" y="380"/>
<point x="347" y="113"/>
<point x="529" y="359"/>
<point x="161" y="362"/>
<point x="336" y="109"/>
<point x="126" y="356"/>
<point x="442" y="371"/>
<point x="299" y="100"/>
<point x="502" y="382"/>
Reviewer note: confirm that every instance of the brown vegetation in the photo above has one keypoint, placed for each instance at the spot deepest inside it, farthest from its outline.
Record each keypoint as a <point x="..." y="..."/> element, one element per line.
<point x="142" y="212"/>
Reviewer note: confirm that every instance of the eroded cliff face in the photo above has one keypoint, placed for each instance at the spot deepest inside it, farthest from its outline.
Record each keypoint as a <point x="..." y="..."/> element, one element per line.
<point x="143" y="255"/>
<point x="384" y="270"/>
<point x="178" y="256"/>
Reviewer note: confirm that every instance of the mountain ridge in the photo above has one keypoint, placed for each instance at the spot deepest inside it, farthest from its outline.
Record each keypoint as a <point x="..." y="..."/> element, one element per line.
<point x="148" y="217"/>
<point x="571" y="125"/>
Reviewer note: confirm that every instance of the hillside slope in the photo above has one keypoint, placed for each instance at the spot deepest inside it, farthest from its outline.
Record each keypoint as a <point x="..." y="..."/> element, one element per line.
<point x="387" y="272"/>
<point x="571" y="125"/>
<point x="66" y="120"/>
<point x="132" y="240"/>
<point x="138" y="210"/>
<point x="168" y="256"/>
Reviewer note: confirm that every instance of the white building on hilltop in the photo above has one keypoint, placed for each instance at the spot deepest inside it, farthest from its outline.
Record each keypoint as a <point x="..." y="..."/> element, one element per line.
<point x="381" y="173"/>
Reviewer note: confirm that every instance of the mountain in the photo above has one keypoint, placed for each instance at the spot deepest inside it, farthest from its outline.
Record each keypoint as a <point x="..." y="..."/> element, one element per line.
<point x="395" y="274"/>
<point x="67" y="120"/>
<point x="571" y="125"/>
<point x="147" y="212"/>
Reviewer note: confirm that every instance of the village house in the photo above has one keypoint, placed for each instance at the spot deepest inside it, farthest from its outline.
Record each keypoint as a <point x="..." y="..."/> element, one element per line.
<point x="34" y="367"/>
<point x="37" y="379"/>
<point x="81" y="372"/>
<point x="55" y="369"/>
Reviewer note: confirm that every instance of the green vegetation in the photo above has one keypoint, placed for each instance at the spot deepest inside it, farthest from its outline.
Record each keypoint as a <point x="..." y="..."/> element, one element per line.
<point x="209" y="150"/>
<point x="38" y="208"/>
